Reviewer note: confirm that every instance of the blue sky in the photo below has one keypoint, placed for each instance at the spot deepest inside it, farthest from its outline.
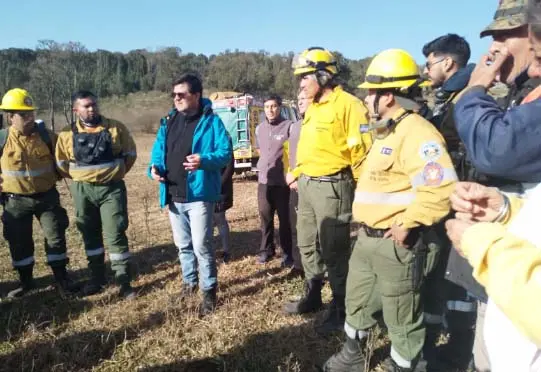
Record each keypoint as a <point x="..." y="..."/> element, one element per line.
<point x="357" y="28"/>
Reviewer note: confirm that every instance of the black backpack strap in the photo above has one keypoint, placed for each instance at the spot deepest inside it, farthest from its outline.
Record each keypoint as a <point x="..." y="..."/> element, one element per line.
<point x="44" y="134"/>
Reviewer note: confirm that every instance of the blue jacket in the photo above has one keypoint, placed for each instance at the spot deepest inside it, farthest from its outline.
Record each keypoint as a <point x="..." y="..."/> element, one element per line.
<point x="500" y="143"/>
<point x="211" y="142"/>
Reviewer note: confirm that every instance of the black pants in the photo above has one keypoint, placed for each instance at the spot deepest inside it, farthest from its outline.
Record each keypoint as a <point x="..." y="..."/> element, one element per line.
<point x="293" y="204"/>
<point x="272" y="199"/>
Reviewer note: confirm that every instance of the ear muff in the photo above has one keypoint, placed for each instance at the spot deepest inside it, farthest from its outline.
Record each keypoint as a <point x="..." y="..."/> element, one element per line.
<point x="323" y="78"/>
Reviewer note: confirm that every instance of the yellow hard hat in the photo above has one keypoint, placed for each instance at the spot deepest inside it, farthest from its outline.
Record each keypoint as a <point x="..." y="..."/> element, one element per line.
<point x="314" y="59"/>
<point x="392" y="68"/>
<point x="17" y="100"/>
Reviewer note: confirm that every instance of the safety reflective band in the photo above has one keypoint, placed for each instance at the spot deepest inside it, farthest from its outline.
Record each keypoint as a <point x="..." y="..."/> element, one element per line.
<point x="378" y="79"/>
<point x="433" y="318"/>
<point x="449" y="174"/>
<point x="24" y="262"/>
<point x="28" y="173"/>
<point x="463" y="306"/>
<point x="95" y="252"/>
<point x="510" y="12"/>
<point x="56" y="257"/>
<point x="119" y="256"/>
<point x="384" y="198"/>
<point x="111" y="164"/>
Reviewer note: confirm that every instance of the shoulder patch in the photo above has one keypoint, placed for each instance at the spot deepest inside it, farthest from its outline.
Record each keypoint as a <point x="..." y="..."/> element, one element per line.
<point x="386" y="151"/>
<point x="430" y="151"/>
<point x="433" y="174"/>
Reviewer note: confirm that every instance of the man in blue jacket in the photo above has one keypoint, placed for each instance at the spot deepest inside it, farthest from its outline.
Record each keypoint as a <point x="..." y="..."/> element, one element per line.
<point x="190" y="150"/>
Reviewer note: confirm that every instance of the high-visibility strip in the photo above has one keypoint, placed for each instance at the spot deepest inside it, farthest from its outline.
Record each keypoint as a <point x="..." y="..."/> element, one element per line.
<point x="130" y="153"/>
<point x="95" y="252"/>
<point x="354" y="333"/>
<point x="119" y="256"/>
<point x="111" y="164"/>
<point x="449" y="174"/>
<point x="401" y="361"/>
<point x="56" y="257"/>
<point x="28" y="173"/>
<point x="433" y="318"/>
<point x="24" y="262"/>
<point x="384" y="198"/>
<point x="466" y="307"/>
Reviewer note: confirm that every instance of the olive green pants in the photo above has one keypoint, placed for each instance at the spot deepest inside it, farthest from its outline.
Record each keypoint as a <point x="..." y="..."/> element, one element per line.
<point x="102" y="217"/>
<point x="19" y="212"/>
<point x="324" y="213"/>
<point x="380" y="279"/>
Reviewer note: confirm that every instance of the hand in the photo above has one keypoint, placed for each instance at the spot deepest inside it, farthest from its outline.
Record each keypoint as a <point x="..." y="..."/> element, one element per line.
<point x="485" y="75"/>
<point x="156" y="174"/>
<point x="290" y="178"/>
<point x="455" y="231"/>
<point x="193" y="162"/>
<point x="398" y="234"/>
<point x="475" y="202"/>
<point x="294" y="186"/>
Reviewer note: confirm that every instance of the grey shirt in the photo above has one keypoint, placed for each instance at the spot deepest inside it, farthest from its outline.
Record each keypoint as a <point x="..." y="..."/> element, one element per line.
<point x="294" y="134"/>
<point x="271" y="138"/>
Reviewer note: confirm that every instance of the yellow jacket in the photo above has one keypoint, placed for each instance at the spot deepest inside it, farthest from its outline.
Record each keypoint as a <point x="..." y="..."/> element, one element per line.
<point x="123" y="149"/>
<point x="27" y="165"/>
<point x="510" y="269"/>
<point x="407" y="177"/>
<point x="330" y="138"/>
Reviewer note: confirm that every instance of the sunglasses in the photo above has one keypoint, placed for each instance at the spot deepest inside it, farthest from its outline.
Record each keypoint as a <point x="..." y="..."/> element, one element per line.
<point x="428" y="65"/>
<point x="179" y="95"/>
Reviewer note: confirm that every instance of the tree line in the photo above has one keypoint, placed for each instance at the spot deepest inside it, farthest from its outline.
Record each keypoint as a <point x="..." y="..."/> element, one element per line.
<point x="53" y="71"/>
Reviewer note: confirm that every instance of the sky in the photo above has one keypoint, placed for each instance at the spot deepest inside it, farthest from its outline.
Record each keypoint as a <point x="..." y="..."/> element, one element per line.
<point x="356" y="28"/>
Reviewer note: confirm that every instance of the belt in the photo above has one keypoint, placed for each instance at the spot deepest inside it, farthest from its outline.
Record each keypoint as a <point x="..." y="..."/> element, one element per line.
<point x="372" y="232"/>
<point x="343" y="174"/>
<point x="33" y="196"/>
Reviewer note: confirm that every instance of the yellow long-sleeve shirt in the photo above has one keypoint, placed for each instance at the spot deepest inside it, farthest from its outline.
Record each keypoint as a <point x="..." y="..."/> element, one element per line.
<point x="330" y="138"/>
<point x="28" y="167"/>
<point x="407" y="177"/>
<point x="124" y="151"/>
<point x="510" y="269"/>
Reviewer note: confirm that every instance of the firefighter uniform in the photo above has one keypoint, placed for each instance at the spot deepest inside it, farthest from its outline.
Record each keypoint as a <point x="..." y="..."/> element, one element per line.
<point x="97" y="159"/>
<point x="330" y="151"/>
<point x="405" y="181"/>
<point x="29" y="189"/>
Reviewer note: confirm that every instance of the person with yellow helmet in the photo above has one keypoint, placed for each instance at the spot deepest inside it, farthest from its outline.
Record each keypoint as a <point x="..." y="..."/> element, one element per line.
<point x="330" y="151"/>
<point x="96" y="153"/>
<point x="404" y="186"/>
<point x="29" y="189"/>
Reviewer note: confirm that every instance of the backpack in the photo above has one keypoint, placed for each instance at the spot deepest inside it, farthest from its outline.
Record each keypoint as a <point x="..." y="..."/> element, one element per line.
<point x="42" y="133"/>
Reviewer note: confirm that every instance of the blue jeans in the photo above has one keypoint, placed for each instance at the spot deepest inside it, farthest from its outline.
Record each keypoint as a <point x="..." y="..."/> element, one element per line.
<point x="192" y="227"/>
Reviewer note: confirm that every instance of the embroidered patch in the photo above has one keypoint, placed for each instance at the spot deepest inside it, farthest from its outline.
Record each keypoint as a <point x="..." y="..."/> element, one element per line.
<point x="386" y="151"/>
<point x="432" y="174"/>
<point x="430" y="151"/>
<point x="364" y="128"/>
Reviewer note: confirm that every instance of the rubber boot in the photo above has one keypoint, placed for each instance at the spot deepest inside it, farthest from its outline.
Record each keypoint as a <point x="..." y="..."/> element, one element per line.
<point x="63" y="283"/>
<point x="335" y="317"/>
<point x="349" y="358"/>
<point x="310" y="302"/>
<point x="209" y="302"/>
<point x="97" y="280"/>
<point x="27" y="282"/>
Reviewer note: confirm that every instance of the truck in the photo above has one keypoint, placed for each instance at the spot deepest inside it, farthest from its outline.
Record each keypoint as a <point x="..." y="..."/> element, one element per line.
<point x="241" y="113"/>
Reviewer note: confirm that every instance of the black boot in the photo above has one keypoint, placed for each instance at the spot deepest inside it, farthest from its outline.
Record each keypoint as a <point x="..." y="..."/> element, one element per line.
<point x="334" y="317"/>
<point x="26" y="282"/>
<point x="209" y="302"/>
<point x="97" y="280"/>
<point x="63" y="283"/>
<point x="349" y="359"/>
<point x="127" y="292"/>
<point x="310" y="302"/>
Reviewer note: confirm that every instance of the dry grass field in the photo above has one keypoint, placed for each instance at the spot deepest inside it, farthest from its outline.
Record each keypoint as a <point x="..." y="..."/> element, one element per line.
<point x="156" y="332"/>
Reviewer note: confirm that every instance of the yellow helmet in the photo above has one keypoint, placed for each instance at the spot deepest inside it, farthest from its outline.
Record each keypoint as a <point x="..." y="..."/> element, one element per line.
<point x="314" y="59"/>
<point x="392" y="68"/>
<point x="17" y="100"/>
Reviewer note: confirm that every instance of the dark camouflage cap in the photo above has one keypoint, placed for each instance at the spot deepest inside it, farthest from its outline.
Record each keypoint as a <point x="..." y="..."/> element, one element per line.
<point x="510" y="14"/>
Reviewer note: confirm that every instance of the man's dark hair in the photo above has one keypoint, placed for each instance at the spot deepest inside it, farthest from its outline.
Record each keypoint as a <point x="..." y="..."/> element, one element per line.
<point x="274" y="97"/>
<point x="534" y="17"/>
<point x="450" y="45"/>
<point x="193" y="81"/>
<point x="83" y="94"/>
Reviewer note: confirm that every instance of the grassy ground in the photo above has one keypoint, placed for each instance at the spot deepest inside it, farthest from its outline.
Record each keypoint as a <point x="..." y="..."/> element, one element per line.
<point x="248" y="332"/>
